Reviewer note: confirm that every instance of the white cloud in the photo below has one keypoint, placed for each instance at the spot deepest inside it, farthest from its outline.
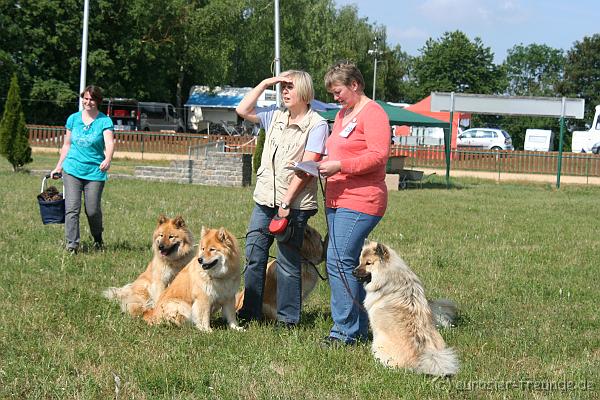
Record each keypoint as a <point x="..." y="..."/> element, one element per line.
<point x="410" y="33"/>
<point x="473" y="12"/>
<point x="454" y="11"/>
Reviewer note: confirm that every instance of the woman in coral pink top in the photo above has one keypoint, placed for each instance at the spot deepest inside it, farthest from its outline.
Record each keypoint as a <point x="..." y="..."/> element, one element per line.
<point x="356" y="195"/>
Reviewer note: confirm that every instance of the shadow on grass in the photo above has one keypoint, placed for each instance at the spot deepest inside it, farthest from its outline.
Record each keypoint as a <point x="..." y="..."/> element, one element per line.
<point x="122" y="245"/>
<point x="310" y="318"/>
<point x="434" y="185"/>
<point x="462" y="319"/>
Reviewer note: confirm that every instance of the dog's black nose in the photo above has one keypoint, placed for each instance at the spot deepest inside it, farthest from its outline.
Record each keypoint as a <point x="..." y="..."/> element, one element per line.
<point x="363" y="277"/>
<point x="200" y="260"/>
<point x="161" y="246"/>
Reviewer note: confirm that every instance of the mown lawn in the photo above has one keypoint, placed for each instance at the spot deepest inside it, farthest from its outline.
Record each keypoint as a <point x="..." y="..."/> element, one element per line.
<point x="521" y="261"/>
<point x="121" y="166"/>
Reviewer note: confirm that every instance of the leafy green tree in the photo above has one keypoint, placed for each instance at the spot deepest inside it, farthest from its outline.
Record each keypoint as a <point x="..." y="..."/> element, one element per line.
<point x="582" y="73"/>
<point x="455" y="63"/>
<point x="156" y="51"/>
<point x="42" y="43"/>
<point x="351" y="37"/>
<point x="14" y="136"/>
<point x="313" y="35"/>
<point x="533" y="70"/>
<point x="7" y="69"/>
<point x="399" y="86"/>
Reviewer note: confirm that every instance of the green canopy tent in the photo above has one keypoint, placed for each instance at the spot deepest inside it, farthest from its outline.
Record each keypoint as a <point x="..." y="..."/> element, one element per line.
<point x="398" y="116"/>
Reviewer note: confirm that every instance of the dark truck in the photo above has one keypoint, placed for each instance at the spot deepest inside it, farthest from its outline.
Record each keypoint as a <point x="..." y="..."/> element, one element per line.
<point x="125" y="113"/>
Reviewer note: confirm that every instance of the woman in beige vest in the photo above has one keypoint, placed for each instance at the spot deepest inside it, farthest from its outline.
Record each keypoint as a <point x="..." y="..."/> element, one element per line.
<point x="294" y="133"/>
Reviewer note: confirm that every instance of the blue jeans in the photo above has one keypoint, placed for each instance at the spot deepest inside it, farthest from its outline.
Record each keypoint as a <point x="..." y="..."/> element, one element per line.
<point x="92" y="194"/>
<point x="348" y="230"/>
<point x="289" y="273"/>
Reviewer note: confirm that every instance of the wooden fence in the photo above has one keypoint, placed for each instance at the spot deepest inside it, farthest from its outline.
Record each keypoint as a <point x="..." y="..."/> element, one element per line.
<point x="530" y="162"/>
<point x="146" y="142"/>
<point x="505" y="161"/>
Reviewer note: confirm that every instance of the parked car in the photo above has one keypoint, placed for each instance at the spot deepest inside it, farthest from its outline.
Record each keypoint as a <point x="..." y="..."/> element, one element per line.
<point x="485" y="138"/>
<point x="159" y="117"/>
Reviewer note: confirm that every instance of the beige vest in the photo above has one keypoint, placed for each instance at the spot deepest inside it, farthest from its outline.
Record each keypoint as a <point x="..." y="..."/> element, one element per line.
<point x="282" y="144"/>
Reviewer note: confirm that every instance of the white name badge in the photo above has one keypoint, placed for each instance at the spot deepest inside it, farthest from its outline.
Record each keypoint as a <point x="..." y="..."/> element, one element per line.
<point x="348" y="129"/>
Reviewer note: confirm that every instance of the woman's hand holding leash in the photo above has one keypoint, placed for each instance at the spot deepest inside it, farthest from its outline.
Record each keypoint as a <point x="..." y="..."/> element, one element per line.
<point x="283" y="213"/>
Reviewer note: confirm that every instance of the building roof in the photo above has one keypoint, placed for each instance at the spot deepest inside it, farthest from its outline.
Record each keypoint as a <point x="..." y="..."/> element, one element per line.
<point x="230" y="97"/>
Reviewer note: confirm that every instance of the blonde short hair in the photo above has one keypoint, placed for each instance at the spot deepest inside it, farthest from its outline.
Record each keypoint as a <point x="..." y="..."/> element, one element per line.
<point x="303" y="84"/>
<point x="344" y="72"/>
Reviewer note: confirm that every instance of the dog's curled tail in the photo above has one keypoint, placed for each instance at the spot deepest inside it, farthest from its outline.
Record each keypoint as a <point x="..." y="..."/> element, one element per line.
<point x="442" y="362"/>
<point x="445" y="312"/>
<point x="112" y="293"/>
<point x="129" y="302"/>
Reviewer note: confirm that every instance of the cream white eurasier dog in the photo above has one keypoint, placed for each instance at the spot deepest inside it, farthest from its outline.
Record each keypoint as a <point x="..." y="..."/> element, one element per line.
<point x="404" y="332"/>
<point x="206" y="285"/>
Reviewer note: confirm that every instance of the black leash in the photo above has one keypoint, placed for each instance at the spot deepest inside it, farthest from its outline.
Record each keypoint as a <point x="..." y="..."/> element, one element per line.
<point x="264" y="232"/>
<point x="312" y="264"/>
<point x="342" y="274"/>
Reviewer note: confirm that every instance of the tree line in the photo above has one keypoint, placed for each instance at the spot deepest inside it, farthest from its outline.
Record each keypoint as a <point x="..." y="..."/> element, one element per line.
<point x="156" y="50"/>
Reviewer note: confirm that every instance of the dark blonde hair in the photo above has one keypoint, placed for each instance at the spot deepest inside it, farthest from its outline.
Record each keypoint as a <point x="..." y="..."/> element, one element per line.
<point x="303" y="83"/>
<point x="95" y="93"/>
<point x="344" y="72"/>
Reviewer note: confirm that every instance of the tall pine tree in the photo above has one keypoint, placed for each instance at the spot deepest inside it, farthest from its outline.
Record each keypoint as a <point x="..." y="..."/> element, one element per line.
<point x="14" y="136"/>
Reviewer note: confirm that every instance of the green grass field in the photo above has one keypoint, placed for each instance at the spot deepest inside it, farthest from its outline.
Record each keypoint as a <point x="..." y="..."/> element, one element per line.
<point x="521" y="261"/>
<point x="47" y="161"/>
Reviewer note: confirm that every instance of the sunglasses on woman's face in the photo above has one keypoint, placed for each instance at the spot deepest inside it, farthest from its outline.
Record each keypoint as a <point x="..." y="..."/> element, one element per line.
<point x="288" y="86"/>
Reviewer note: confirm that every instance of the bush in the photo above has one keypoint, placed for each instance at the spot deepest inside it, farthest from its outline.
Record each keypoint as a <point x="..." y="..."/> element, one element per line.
<point x="14" y="136"/>
<point x="260" y="143"/>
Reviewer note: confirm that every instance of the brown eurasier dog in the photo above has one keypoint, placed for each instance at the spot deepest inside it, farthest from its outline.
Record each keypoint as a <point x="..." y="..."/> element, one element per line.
<point x="207" y="284"/>
<point x="404" y="332"/>
<point x="313" y="253"/>
<point x="173" y="249"/>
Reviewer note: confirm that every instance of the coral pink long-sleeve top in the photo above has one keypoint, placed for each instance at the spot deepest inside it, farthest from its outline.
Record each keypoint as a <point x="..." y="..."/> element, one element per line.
<point x="360" y="185"/>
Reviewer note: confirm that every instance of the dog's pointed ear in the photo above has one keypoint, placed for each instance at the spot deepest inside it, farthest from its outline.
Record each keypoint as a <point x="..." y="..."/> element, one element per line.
<point x="203" y="231"/>
<point x="224" y="236"/>
<point x="382" y="252"/>
<point x="162" y="219"/>
<point x="179" y="222"/>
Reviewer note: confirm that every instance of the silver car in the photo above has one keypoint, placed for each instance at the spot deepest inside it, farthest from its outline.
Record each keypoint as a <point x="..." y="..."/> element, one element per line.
<point x="485" y="138"/>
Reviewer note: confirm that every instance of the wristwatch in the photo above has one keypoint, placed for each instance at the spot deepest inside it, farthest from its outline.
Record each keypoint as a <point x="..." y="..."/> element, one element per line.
<point x="284" y="205"/>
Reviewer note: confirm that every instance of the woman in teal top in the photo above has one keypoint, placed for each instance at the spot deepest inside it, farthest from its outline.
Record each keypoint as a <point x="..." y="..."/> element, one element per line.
<point x="84" y="161"/>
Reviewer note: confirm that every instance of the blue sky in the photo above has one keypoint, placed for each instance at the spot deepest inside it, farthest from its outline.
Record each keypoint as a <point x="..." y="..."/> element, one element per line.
<point x="500" y="24"/>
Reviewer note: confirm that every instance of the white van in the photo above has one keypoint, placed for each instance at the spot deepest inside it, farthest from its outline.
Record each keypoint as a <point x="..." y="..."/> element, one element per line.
<point x="159" y="117"/>
<point x="584" y="141"/>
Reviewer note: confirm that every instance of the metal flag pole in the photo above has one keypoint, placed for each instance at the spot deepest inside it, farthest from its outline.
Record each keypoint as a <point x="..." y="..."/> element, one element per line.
<point x="84" y="45"/>
<point x="375" y="52"/>
<point x="448" y="140"/>
<point x="561" y="142"/>
<point x="277" y="59"/>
